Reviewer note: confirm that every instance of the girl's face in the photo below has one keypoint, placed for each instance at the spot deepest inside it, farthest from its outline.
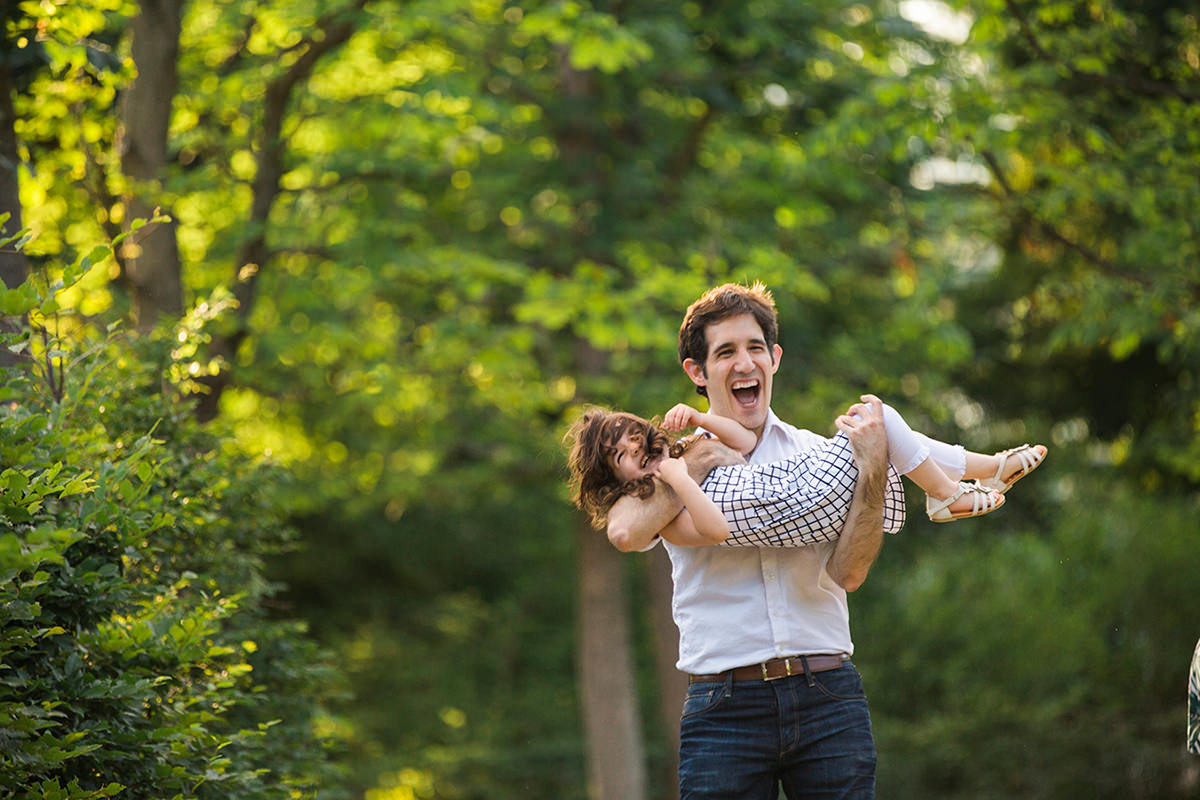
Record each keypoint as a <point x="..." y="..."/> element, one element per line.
<point x="629" y="460"/>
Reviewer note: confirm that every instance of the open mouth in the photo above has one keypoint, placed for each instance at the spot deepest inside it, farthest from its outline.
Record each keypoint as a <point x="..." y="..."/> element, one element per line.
<point x="745" y="392"/>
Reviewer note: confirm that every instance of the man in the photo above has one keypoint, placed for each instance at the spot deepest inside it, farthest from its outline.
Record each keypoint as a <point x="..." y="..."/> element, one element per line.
<point x="773" y="698"/>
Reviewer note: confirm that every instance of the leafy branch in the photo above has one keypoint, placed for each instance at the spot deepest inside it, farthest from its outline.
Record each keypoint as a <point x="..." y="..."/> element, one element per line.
<point x="1128" y="83"/>
<point x="1091" y="256"/>
<point x="330" y="33"/>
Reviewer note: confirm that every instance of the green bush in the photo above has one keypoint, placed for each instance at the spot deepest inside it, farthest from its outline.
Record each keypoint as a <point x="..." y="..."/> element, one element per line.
<point x="137" y="654"/>
<point x="1043" y="654"/>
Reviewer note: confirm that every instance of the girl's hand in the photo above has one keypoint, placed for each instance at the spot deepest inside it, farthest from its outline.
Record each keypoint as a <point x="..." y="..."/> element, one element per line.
<point x="679" y="417"/>
<point x="672" y="470"/>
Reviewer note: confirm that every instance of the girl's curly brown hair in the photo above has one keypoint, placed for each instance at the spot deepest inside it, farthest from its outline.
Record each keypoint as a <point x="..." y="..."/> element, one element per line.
<point x="591" y="442"/>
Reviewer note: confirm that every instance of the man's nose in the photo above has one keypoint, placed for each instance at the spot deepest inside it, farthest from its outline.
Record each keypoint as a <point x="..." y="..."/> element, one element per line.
<point x="742" y="361"/>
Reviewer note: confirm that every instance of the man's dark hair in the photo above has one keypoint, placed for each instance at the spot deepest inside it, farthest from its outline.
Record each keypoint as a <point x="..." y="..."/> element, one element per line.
<point x="720" y="303"/>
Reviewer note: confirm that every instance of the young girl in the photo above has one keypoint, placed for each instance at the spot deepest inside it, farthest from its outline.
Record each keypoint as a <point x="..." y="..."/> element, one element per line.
<point x="797" y="501"/>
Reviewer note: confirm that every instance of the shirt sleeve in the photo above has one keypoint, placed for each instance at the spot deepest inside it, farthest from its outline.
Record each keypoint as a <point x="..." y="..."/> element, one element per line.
<point x="1193" y="733"/>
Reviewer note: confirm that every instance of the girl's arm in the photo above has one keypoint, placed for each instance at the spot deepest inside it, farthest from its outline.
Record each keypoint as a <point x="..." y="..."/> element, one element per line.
<point x="700" y="516"/>
<point x="682" y="531"/>
<point x="729" y="431"/>
<point x="633" y="522"/>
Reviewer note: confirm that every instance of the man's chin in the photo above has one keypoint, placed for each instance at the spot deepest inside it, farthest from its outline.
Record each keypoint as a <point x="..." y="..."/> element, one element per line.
<point x="753" y="420"/>
<point x="752" y="416"/>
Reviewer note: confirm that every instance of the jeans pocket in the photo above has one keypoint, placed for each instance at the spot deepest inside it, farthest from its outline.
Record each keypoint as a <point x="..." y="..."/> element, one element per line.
<point x="703" y="697"/>
<point x="841" y="684"/>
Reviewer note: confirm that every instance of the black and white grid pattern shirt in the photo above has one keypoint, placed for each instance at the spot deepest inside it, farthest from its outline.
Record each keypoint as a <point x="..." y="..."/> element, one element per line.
<point x="798" y="501"/>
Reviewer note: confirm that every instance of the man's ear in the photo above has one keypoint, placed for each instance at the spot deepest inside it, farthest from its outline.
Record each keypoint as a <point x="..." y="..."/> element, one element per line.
<point x="776" y="354"/>
<point x="695" y="371"/>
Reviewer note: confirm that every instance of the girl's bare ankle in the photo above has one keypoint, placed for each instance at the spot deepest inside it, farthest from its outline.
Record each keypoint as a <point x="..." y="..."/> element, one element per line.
<point x="942" y="492"/>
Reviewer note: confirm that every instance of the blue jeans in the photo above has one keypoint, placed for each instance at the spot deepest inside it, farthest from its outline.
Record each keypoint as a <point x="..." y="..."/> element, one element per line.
<point x="809" y="733"/>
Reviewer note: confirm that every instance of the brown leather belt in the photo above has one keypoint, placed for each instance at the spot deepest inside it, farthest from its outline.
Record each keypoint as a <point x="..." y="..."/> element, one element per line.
<point x="775" y="668"/>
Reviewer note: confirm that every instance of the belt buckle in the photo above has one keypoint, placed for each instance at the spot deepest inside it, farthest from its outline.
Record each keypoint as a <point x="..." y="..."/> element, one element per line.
<point x="787" y="670"/>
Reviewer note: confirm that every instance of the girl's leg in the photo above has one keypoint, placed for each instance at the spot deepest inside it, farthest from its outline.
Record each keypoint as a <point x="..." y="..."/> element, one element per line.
<point x="1001" y="470"/>
<point x="979" y="465"/>
<point x="937" y="467"/>
<point x="907" y="449"/>
<point x="952" y="458"/>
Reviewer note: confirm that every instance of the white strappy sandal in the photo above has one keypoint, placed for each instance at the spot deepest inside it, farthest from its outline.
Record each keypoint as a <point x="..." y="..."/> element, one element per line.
<point x="1029" y="459"/>
<point x="982" y="501"/>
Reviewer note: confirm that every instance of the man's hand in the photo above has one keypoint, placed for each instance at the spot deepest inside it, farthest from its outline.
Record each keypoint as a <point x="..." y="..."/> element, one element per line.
<point x="706" y="455"/>
<point x="863" y="423"/>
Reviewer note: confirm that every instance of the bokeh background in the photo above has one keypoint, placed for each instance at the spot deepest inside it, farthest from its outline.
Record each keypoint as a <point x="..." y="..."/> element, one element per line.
<point x="282" y="478"/>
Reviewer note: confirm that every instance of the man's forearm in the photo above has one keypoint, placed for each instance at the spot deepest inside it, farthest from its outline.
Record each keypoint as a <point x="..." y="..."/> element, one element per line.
<point x="862" y="536"/>
<point x="633" y="523"/>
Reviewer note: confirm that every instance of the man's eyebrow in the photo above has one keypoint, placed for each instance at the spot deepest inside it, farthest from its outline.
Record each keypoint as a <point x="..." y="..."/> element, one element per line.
<point x="726" y="345"/>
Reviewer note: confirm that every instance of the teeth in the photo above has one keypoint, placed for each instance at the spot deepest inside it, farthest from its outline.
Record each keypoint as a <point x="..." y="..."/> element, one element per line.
<point x="743" y="384"/>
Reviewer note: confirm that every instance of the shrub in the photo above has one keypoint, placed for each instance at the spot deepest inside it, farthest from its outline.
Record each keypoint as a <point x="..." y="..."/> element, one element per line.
<point x="137" y="652"/>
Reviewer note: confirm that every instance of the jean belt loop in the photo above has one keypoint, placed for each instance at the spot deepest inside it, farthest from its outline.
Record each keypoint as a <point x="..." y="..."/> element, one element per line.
<point x="729" y="684"/>
<point x="807" y="672"/>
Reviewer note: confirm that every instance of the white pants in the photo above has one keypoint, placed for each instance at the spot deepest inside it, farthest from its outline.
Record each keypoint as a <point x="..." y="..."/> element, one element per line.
<point x="907" y="448"/>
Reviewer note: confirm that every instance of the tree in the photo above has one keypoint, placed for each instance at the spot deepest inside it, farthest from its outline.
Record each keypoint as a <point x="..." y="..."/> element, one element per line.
<point x="451" y="224"/>
<point x="152" y="265"/>
<point x="16" y="61"/>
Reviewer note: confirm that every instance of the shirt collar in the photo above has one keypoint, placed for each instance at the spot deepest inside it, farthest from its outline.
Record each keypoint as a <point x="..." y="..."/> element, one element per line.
<point x="771" y="428"/>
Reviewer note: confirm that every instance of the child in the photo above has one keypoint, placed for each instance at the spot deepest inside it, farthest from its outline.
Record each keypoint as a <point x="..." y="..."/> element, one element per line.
<point x="797" y="501"/>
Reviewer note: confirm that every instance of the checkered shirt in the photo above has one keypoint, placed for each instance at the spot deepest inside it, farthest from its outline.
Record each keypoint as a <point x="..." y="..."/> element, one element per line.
<point x="1193" y="729"/>
<point x="798" y="501"/>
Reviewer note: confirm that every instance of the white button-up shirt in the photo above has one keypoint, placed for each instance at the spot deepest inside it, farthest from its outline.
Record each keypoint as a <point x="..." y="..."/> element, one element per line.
<point x="744" y="605"/>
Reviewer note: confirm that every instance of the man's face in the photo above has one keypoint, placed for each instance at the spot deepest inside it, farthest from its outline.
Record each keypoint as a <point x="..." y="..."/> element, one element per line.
<point x="737" y="370"/>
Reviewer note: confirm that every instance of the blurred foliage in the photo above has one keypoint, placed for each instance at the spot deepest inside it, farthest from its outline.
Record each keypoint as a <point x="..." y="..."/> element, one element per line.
<point x="490" y="213"/>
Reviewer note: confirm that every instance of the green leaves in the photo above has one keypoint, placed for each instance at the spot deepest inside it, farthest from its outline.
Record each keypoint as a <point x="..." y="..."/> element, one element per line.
<point x="493" y="213"/>
<point x="19" y="301"/>
<point x="130" y="577"/>
<point x="592" y="39"/>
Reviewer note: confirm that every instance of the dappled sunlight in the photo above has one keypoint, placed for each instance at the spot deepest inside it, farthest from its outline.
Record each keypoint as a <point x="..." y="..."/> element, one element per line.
<point x="284" y="488"/>
<point x="260" y="432"/>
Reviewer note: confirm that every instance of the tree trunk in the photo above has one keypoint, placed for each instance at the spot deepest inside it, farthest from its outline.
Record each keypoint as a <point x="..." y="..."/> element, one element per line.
<point x="614" y="741"/>
<point x="153" y="262"/>
<point x="14" y="267"/>
<point x="672" y="684"/>
<point x="616" y="763"/>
